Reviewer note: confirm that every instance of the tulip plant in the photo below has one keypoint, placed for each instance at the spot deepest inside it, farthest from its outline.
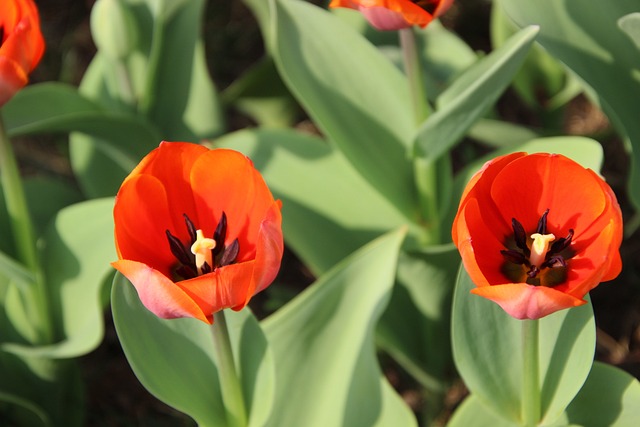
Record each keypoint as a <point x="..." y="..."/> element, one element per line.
<point x="449" y="247"/>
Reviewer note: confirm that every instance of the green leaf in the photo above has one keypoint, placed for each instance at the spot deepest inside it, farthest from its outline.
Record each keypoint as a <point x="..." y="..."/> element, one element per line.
<point x="541" y="76"/>
<point x="585" y="36"/>
<point x="325" y="218"/>
<point x="487" y="349"/>
<point x="473" y="412"/>
<point x="175" y="361"/>
<point x="184" y="102"/>
<point x="46" y="197"/>
<point x="323" y="346"/>
<point x="261" y="94"/>
<point x="76" y="250"/>
<point x="415" y="328"/>
<point x="14" y="271"/>
<point x="471" y="95"/>
<point x="351" y="91"/>
<point x="630" y="24"/>
<point x="609" y="398"/>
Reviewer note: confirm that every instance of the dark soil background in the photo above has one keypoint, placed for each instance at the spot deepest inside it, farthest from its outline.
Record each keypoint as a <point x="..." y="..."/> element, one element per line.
<point x="115" y="398"/>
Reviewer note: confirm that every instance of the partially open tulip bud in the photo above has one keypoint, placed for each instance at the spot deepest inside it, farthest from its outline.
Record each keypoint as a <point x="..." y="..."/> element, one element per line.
<point x="113" y="29"/>
<point x="396" y="14"/>
<point x="21" y="45"/>
<point x="537" y="232"/>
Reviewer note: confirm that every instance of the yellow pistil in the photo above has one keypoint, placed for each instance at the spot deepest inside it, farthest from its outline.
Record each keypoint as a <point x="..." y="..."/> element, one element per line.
<point x="540" y="247"/>
<point x="201" y="248"/>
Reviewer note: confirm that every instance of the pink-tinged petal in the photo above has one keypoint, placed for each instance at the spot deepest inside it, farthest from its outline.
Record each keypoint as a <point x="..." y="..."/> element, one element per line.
<point x="269" y="251"/>
<point x="384" y="19"/>
<point x="159" y="294"/>
<point x="524" y="301"/>
<point x="226" y="287"/>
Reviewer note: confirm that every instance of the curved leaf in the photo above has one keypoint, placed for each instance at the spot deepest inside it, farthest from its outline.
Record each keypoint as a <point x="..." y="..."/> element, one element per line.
<point x="352" y="92"/>
<point x="175" y="360"/>
<point x="76" y="250"/>
<point x="326" y="218"/>
<point x="323" y="346"/>
<point x="487" y="349"/>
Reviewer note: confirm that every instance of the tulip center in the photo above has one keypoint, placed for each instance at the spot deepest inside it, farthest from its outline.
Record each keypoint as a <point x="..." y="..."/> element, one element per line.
<point x="428" y="5"/>
<point x="541" y="259"/>
<point x="201" y="254"/>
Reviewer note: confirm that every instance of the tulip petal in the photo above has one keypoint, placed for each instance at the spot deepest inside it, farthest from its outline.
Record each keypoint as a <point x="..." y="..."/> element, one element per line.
<point x="235" y="187"/>
<point x="159" y="294"/>
<point x="268" y="251"/>
<point x="524" y="301"/>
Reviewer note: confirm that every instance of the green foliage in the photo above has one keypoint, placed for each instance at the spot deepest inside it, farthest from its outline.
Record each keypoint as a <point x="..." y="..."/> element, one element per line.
<point x="321" y="342"/>
<point x="487" y="348"/>
<point x="359" y="100"/>
<point x="587" y="38"/>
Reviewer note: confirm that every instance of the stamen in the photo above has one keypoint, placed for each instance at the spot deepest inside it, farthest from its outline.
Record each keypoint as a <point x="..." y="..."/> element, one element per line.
<point x="513" y="256"/>
<point x="561" y="244"/>
<point x="178" y="250"/>
<point x="220" y="234"/>
<point x="190" y="228"/>
<point x="202" y="248"/>
<point x="230" y="254"/>
<point x="542" y="223"/>
<point x="520" y="236"/>
<point x="539" y="248"/>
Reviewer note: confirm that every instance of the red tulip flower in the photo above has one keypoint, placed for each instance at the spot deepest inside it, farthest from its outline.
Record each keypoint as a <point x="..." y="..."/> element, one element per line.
<point x="396" y="14"/>
<point x="537" y="232"/>
<point x="196" y="231"/>
<point x="21" y="45"/>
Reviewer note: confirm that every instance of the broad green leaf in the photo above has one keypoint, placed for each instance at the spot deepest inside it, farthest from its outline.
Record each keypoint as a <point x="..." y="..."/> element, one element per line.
<point x="324" y="348"/>
<point x="76" y="250"/>
<point x="261" y="94"/>
<point x="499" y="134"/>
<point x="46" y="197"/>
<point x="473" y="412"/>
<point x="630" y="24"/>
<point x="541" y="76"/>
<point x="487" y="349"/>
<point x="585" y="36"/>
<point x="471" y="95"/>
<point x="609" y="398"/>
<point x="16" y="272"/>
<point x="329" y="210"/>
<point x="353" y="93"/>
<point x="175" y="360"/>
<point x="107" y="145"/>
<point x="184" y="102"/>
<point x="415" y="327"/>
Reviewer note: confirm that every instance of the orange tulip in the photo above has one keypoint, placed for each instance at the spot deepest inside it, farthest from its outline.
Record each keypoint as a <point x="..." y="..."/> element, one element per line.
<point x="537" y="232"/>
<point x="396" y="14"/>
<point x="21" y="45"/>
<point x="196" y="231"/>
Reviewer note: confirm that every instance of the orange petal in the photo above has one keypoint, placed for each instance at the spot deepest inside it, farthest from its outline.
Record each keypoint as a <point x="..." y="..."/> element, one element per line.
<point x="479" y="247"/>
<point x="269" y="251"/>
<point x="225" y="180"/>
<point x="142" y="214"/>
<point x="226" y="287"/>
<point x="159" y="294"/>
<point x="524" y="301"/>
<point x="410" y="13"/>
<point x="528" y="186"/>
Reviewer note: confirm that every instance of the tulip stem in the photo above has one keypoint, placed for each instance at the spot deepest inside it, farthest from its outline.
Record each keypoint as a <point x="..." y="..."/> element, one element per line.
<point x="229" y="382"/>
<point x="530" y="373"/>
<point x="24" y="238"/>
<point x="425" y="171"/>
<point x="413" y="70"/>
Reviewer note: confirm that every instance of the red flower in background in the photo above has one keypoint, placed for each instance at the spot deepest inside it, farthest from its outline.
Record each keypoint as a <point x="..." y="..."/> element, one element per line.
<point x="196" y="231"/>
<point x="537" y="232"/>
<point x="21" y="45"/>
<point x="396" y="14"/>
